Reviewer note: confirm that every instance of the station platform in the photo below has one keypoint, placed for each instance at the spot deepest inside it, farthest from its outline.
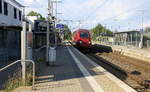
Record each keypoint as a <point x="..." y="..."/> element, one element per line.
<point x="141" y="54"/>
<point x="74" y="72"/>
<point x="130" y="51"/>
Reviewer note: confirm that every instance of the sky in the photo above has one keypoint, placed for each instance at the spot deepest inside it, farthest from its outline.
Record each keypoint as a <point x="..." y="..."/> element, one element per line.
<point x="121" y="15"/>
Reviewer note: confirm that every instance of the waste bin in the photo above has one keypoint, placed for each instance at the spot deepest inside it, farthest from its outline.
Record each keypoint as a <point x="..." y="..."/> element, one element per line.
<point x="52" y="56"/>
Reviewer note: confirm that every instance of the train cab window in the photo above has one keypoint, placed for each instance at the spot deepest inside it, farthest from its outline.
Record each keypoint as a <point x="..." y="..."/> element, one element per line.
<point x="84" y="35"/>
<point x="5" y="8"/>
<point x="0" y="6"/>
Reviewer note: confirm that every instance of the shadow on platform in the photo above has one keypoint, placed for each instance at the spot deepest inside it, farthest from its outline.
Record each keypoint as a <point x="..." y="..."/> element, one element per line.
<point x="66" y="68"/>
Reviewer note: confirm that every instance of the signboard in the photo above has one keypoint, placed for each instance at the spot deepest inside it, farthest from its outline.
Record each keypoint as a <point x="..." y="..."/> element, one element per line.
<point x="60" y="26"/>
<point x="41" y="26"/>
<point x="30" y="39"/>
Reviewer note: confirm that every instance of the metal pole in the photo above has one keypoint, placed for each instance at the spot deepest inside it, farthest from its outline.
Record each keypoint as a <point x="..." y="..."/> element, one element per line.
<point x="136" y="39"/>
<point x="142" y="36"/>
<point x="30" y="27"/>
<point x="56" y="14"/>
<point x="131" y="39"/>
<point x="48" y="30"/>
<point x="55" y="25"/>
<point x="23" y="50"/>
<point x="52" y="8"/>
<point x="142" y="26"/>
<point x="56" y="20"/>
<point x="79" y="23"/>
<point x="47" y="47"/>
<point x="147" y="43"/>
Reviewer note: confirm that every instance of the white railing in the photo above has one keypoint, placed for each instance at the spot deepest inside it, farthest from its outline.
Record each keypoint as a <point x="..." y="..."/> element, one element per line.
<point x="33" y="72"/>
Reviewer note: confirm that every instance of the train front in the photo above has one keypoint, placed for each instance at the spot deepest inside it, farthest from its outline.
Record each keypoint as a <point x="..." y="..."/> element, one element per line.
<point x="84" y="40"/>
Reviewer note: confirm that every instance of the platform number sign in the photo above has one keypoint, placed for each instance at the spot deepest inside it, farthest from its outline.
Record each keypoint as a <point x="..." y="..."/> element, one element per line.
<point x="60" y="27"/>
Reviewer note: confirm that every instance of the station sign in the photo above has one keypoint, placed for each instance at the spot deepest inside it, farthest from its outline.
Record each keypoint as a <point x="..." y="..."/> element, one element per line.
<point x="60" y="26"/>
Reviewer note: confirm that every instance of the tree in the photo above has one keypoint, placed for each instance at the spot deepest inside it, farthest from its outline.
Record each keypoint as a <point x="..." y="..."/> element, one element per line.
<point x="33" y="13"/>
<point x="67" y="33"/>
<point x="99" y="30"/>
<point x="147" y="30"/>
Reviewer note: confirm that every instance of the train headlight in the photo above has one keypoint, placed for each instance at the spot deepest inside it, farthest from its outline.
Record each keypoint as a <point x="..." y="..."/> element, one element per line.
<point x="80" y="42"/>
<point x="89" y="42"/>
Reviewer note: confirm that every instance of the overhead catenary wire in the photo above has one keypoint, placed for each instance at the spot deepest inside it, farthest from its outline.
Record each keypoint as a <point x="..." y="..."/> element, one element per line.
<point x="91" y="13"/>
<point x="128" y="11"/>
<point x="100" y="6"/>
<point x="112" y="17"/>
<point x="69" y="20"/>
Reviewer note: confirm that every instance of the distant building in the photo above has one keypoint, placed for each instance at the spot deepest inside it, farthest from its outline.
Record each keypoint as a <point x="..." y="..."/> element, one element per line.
<point x="10" y="29"/>
<point x="31" y="20"/>
<point x="40" y="33"/>
<point x="10" y="13"/>
<point x="132" y="38"/>
<point x="127" y="38"/>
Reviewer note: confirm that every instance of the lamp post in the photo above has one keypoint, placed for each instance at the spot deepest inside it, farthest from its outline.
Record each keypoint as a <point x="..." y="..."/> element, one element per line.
<point x="48" y="30"/>
<point x="142" y="28"/>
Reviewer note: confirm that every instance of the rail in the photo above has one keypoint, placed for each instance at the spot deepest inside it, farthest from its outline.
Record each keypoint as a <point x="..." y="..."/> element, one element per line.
<point x="33" y="72"/>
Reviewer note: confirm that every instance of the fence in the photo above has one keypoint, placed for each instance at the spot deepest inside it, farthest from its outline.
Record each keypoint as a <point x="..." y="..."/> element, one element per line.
<point x="128" y="43"/>
<point x="133" y="43"/>
<point x="39" y="53"/>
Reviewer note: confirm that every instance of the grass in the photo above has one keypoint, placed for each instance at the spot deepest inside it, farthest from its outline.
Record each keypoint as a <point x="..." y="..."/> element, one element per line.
<point x="38" y="63"/>
<point x="41" y="60"/>
<point x="16" y="81"/>
<point x="13" y="84"/>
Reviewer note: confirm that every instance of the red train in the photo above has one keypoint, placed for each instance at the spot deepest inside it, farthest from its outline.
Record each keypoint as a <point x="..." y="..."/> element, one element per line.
<point x="82" y="38"/>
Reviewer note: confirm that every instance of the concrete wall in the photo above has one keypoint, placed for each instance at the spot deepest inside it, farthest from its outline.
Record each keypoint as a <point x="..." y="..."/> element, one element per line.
<point x="31" y="20"/>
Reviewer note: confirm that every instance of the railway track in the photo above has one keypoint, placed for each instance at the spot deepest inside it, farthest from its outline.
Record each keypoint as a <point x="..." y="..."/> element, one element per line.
<point x="133" y="72"/>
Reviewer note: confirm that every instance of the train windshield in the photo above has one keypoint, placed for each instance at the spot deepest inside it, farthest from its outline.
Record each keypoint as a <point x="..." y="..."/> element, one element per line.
<point x="84" y="35"/>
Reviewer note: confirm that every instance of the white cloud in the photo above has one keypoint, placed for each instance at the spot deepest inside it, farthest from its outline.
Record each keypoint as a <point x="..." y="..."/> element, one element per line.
<point x="92" y="3"/>
<point x="35" y="5"/>
<point x="114" y="10"/>
<point x="81" y="9"/>
<point x="39" y="2"/>
<point x="29" y="1"/>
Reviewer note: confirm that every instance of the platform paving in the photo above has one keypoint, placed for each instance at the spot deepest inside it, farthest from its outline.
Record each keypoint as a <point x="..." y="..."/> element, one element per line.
<point x="74" y="72"/>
